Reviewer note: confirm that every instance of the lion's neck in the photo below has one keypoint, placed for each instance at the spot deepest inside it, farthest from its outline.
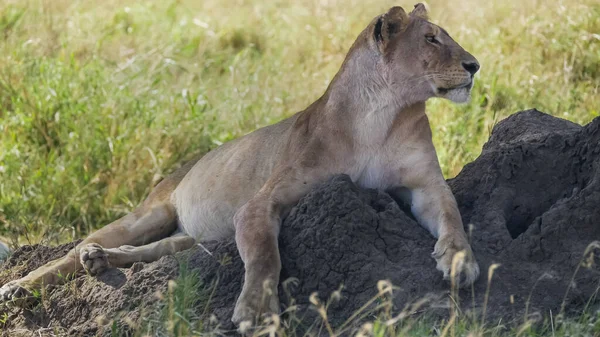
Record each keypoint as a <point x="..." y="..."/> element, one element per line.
<point x="361" y="95"/>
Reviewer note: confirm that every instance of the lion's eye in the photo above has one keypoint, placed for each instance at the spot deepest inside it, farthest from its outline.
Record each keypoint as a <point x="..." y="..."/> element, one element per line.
<point x="431" y="38"/>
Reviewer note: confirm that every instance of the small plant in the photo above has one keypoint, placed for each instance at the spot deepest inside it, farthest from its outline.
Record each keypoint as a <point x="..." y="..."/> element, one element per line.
<point x="178" y="312"/>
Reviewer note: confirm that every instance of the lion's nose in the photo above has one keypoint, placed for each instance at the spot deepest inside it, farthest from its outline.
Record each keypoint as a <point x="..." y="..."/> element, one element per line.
<point x="471" y="67"/>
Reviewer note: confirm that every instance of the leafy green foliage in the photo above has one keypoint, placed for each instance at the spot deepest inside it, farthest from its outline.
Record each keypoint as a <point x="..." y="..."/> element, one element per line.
<point x="99" y="100"/>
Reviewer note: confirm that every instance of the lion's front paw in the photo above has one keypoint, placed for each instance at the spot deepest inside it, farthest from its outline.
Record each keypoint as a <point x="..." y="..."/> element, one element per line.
<point x="93" y="258"/>
<point x="467" y="269"/>
<point x="252" y="303"/>
<point x="243" y="312"/>
<point x="15" y="294"/>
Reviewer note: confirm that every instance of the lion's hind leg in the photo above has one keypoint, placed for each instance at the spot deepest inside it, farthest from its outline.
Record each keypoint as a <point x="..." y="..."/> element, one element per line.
<point x="154" y="220"/>
<point x="147" y="224"/>
<point x="127" y="255"/>
<point x="144" y="226"/>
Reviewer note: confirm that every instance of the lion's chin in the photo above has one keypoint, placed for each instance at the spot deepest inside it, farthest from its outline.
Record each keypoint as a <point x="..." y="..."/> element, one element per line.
<point x="457" y="95"/>
<point x="462" y="95"/>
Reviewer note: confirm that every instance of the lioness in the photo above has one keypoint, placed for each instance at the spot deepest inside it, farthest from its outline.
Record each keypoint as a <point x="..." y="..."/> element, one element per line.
<point x="369" y="124"/>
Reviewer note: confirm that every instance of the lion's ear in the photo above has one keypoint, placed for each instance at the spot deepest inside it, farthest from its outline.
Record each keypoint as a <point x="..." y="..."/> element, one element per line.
<point x="420" y="11"/>
<point x="388" y="24"/>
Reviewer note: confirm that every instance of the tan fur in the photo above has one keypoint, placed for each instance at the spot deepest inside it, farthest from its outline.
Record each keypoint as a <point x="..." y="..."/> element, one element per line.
<point x="369" y="124"/>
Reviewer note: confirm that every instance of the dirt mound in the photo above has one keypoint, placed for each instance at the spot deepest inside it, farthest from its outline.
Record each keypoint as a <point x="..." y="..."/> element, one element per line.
<point x="532" y="197"/>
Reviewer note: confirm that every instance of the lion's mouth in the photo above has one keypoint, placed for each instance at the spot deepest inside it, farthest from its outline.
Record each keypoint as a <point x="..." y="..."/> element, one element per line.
<point x="468" y="85"/>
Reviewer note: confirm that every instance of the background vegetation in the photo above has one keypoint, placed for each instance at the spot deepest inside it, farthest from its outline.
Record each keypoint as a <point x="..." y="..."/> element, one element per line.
<point x="100" y="98"/>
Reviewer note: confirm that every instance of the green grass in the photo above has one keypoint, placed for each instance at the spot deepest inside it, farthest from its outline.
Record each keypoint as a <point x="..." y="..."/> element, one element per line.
<point x="99" y="99"/>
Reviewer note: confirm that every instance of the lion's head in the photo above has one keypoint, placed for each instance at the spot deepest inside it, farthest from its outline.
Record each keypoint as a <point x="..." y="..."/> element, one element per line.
<point x="415" y="52"/>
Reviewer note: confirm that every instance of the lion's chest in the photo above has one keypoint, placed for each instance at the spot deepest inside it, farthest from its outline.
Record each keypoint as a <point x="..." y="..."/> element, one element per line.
<point x="373" y="170"/>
